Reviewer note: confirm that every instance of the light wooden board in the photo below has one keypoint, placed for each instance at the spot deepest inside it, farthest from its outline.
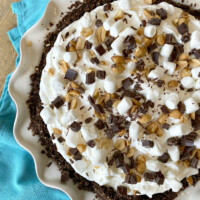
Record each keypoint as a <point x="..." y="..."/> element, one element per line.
<point x="7" y="52"/>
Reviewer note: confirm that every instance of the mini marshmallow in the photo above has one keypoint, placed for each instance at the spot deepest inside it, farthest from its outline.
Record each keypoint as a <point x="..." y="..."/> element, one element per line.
<point x="196" y="96"/>
<point x="197" y="84"/>
<point x="117" y="45"/>
<point x="80" y="166"/>
<point x="153" y="165"/>
<point x="197" y="143"/>
<point x="124" y="106"/>
<point x="172" y="101"/>
<point x="178" y="130"/>
<point x="172" y="166"/>
<point x="116" y="28"/>
<point x="86" y="20"/>
<point x="131" y="66"/>
<point x="108" y="23"/>
<point x="152" y="93"/>
<point x="166" y="50"/>
<point x="99" y="157"/>
<point x="188" y="82"/>
<point x="72" y="139"/>
<point x="70" y="57"/>
<point x="195" y="72"/>
<point x="69" y="116"/>
<point x="156" y="73"/>
<point x="191" y="105"/>
<point x="174" y="153"/>
<point x="195" y="40"/>
<point x="88" y="132"/>
<point x="47" y="115"/>
<point x="125" y="4"/>
<point x="175" y="185"/>
<point x="58" y="84"/>
<point x="128" y="31"/>
<point x="150" y="31"/>
<point x="134" y="130"/>
<point x="169" y="66"/>
<point x="110" y="84"/>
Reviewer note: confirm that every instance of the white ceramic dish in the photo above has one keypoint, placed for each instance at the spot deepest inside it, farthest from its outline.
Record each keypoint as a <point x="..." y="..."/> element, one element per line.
<point x="30" y="57"/>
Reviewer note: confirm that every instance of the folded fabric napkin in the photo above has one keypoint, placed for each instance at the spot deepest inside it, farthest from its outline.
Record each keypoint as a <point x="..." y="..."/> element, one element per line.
<point x="18" y="178"/>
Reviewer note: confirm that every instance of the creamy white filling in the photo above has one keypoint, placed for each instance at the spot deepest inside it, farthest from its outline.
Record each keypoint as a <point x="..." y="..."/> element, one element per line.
<point x="93" y="165"/>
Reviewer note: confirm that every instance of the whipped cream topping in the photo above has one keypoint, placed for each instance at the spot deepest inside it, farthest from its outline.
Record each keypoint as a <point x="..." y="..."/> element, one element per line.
<point x="120" y="92"/>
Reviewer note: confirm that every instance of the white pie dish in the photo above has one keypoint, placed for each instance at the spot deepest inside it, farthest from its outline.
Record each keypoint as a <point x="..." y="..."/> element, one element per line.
<point x="30" y="56"/>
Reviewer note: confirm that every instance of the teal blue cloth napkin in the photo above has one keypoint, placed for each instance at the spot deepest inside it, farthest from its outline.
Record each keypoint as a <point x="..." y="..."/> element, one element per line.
<point x="18" y="180"/>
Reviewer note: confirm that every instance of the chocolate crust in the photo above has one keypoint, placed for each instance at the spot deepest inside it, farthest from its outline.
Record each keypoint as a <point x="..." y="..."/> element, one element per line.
<point x="39" y="128"/>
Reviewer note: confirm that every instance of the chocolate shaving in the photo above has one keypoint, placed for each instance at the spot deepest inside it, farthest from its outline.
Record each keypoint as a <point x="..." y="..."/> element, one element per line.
<point x="152" y="47"/>
<point x="109" y="133"/>
<point x="98" y="108"/>
<point x="173" y="141"/>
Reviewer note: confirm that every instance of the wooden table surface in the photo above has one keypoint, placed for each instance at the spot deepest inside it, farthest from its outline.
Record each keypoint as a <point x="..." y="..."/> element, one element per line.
<point x="7" y="52"/>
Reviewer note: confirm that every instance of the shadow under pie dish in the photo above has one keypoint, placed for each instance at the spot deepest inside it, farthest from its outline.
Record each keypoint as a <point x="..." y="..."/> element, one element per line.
<point x="115" y="99"/>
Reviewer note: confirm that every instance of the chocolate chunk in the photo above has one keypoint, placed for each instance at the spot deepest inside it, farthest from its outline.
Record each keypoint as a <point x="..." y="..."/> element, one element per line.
<point x="71" y="74"/>
<point x="189" y="139"/>
<point x="140" y="65"/>
<point x="197" y="54"/>
<point x="88" y="120"/>
<point x="101" y="74"/>
<point x="61" y="139"/>
<point x="184" y="156"/>
<point x="130" y="179"/>
<point x="194" y="163"/>
<point x="64" y="176"/>
<point x="126" y="52"/>
<point x="98" y="108"/>
<point x="159" y="178"/>
<point x="165" y="109"/>
<point x="155" y="57"/>
<point x="165" y="126"/>
<point x="100" y="49"/>
<point x="75" y="126"/>
<point x="183" y="28"/>
<point x="88" y="45"/>
<point x="152" y="47"/>
<point x="168" y="39"/>
<point x="196" y="124"/>
<point x="121" y="190"/>
<point x="160" y="83"/>
<point x="130" y="94"/>
<point x="132" y="163"/>
<point x="107" y="7"/>
<point x="186" y="38"/>
<point x="90" y="78"/>
<point x="181" y="107"/>
<point x="109" y="133"/>
<point x="109" y="103"/>
<point x="109" y="41"/>
<point x="130" y="42"/>
<point x="155" y="21"/>
<point x="144" y="23"/>
<point x="99" y="23"/>
<point x="173" y="141"/>
<point x="164" y="158"/>
<point x="95" y="60"/>
<point x="58" y="102"/>
<point x="150" y="177"/>
<point x="125" y="169"/>
<point x="91" y="143"/>
<point x="148" y="143"/>
<point x="126" y="83"/>
<point x="100" y="124"/>
<point x="75" y="153"/>
<point x="162" y="13"/>
<point x="119" y="161"/>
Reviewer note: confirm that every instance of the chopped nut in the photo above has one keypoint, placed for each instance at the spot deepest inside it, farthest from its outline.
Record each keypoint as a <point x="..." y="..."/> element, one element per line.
<point x="149" y="14"/>
<point x="92" y="53"/>
<point x="74" y="93"/>
<point x="147" y="41"/>
<point x="29" y="43"/>
<point x="144" y="118"/>
<point x="67" y="98"/>
<point x="120" y="144"/>
<point x="159" y="132"/>
<point x="122" y="132"/>
<point x="73" y="43"/>
<point x="103" y="63"/>
<point x="192" y="115"/>
<point x="101" y="34"/>
<point x="80" y="43"/>
<point x="134" y="108"/>
<point x="182" y="20"/>
<point x="140" y="31"/>
<point x="56" y="131"/>
<point x="181" y="64"/>
<point x="175" y="22"/>
<point x="150" y="1"/>
<point x="73" y="104"/>
<point x="186" y="163"/>
<point x="99" y="115"/>
<point x="138" y="41"/>
<point x="131" y="152"/>
<point x="198" y="154"/>
<point x="119" y="15"/>
<point x="176" y="114"/>
<point x="183" y="57"/>
<point x="184" y="14"/>
<point x="105" y="143"/>
<point x="107" y="97"/>
<point x="96" y="94"/>
<point x="194" y="152"/>
<point x="137" y="103"/>
<point x="51" y="72"/>
<point x="81" y="148"/>
<point x="63" y="65"/>
<point x="71" y="49"/>
<point x="117" y="68"/>
<point x="118" y="59"/>
<point x="172" y="84"/>
<point x="186" y="72"/>
<point x="190" y="180"/>
<point x="140" y="52"/>
<point x="141" y="164"/>
<point x="162" y="119"/>
<point x="74" y="85"/>
<point x="86" y="32"/>
<point x="115" y="104"/>
<point x="138" y="178"/>
<point x="160" y="39"/>
<point x="194" y="63"/>
<point x="152" y="127"/>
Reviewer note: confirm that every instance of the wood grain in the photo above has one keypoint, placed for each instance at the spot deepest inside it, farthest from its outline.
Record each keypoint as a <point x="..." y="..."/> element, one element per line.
<point x="7" y="52"/>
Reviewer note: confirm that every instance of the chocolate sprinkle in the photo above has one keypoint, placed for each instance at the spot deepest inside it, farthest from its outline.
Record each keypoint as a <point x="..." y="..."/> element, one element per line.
<point x="90" y="78"/>
<point x="71" y="74"/>
<point x="75" y="126"/>
<point x="58" y="102"/>
<point x="100" y="49"/>
<point x="101" y="74"/>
